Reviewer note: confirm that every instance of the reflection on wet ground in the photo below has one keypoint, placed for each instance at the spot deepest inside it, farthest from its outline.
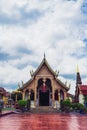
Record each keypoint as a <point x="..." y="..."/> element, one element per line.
<point x="43" y="122"/>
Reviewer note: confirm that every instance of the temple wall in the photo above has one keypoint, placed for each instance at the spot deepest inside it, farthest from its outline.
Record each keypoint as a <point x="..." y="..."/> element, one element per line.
<point x="81" y="98"/>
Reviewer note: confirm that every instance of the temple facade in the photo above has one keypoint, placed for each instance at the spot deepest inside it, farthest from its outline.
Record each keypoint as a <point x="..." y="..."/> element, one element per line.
<point x="4" y="95"/>
<point x="44" y="88"/>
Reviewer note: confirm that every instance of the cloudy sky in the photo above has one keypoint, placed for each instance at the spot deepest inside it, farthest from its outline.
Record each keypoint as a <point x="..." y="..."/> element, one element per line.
<point x="28" y="28"/>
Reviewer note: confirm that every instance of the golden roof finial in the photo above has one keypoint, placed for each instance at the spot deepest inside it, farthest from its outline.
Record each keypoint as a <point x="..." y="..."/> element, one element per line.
<point x="19" y="85"/>
<point x="77" y="68"/>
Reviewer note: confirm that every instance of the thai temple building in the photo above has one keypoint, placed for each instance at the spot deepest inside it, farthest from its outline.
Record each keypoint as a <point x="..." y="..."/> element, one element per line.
<point x="4" y="95"/>
<point x="44" y="88"/>
<point x="81" y="90"/>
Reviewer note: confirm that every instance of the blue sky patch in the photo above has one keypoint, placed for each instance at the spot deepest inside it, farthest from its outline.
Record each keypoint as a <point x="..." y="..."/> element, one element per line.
<point x="69" y="76"/>
<point x="21" y="66"/>
<point x="84" y="7"/>
<point x="11" y="86"/>
<point x="32" y="16"/>
<point x="24" y="50"/>
<point x="85" y="41"/>
<point x="3" y="56"/>
<point x="79" y="55"/>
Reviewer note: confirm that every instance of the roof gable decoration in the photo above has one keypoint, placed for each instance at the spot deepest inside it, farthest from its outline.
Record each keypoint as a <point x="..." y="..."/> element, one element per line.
<point x="44" y="62"/>
<point x="67" y="85"/>
<point x="31" y="73"/>
<point x="64" y="85"/>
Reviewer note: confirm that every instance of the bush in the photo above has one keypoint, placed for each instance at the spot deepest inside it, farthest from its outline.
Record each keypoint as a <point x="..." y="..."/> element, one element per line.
<point x="80" y="106"/>
<point x="65" y="105"/>
<point x="85" y="99"/>
<point x="74" y="106"/>
<point x="22" y="104"/>
<point x="66" y="102"/>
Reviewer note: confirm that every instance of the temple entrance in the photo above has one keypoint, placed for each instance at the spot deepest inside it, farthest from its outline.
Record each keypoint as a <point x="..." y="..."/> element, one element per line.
<point x="44" y="92"/>
<point x="44" y="98"/>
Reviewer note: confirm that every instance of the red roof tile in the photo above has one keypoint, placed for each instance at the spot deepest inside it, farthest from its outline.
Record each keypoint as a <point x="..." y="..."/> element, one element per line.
<point x="83" y="87"/>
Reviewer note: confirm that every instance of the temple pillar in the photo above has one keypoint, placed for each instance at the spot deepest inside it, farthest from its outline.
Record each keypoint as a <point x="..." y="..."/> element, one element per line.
<point x="35" y="91"/>
<point x="59" y="95"/>
<point x="53" y="101"/>
<point x="29" y="94"/>
<point x="16" y="97"/>
<point x="23" y="95"/>
<point x="65" y="95"/>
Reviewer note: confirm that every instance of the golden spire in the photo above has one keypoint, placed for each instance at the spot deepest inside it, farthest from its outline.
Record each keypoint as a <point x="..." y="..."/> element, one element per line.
<point x="77" y="69"/>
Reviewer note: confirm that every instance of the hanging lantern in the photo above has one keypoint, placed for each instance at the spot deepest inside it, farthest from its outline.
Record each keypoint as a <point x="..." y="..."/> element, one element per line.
<point x="44" y="88"/>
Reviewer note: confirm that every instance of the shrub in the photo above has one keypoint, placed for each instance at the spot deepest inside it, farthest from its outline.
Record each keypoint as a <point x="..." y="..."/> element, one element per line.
<point x="74" y="106"/>
<point x="22" y="103"/>
<point x="65" y="105"/>
<point x="80" y="106"/>
<point x="85" y="99"/>
<point x="66" y="102"/>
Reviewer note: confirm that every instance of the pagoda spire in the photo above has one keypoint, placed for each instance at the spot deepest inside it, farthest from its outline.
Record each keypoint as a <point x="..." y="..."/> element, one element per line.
<point x="44" y="55"/>
<point x="77" y="69"/>
<point x="78" y="82"/>
<point x="78" y="77"/>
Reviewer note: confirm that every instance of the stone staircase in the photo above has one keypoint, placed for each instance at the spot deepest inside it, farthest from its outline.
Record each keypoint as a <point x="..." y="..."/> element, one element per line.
<point x="44" y="109"/>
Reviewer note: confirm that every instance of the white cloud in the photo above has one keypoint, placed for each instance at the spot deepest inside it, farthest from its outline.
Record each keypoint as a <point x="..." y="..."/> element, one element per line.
<point x="59" y="32"/>
<point x="12" y="75"/>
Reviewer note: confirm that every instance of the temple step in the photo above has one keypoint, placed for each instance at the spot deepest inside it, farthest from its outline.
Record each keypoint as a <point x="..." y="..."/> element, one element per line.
<point x="44" y="109"/>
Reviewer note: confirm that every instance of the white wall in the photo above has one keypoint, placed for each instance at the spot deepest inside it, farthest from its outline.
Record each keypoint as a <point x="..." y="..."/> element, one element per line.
<point x="81" y="99"/>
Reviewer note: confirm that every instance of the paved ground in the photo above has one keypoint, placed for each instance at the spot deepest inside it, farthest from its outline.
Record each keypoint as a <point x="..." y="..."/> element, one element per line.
<point x="43" y="122"/>
<point x="6" y="111"/>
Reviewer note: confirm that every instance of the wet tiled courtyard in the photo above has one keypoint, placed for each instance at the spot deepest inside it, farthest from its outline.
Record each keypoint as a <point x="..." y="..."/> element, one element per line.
<point x="43" y="122"/>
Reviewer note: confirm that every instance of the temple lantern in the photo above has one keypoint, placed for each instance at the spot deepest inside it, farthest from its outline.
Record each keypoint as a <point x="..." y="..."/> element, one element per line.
<point x="44" y="88"/>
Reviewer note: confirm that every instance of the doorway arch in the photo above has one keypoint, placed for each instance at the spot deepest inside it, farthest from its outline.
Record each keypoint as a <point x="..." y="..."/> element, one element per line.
<point x="61" y="95"/>
<point x="44" y="91"/>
